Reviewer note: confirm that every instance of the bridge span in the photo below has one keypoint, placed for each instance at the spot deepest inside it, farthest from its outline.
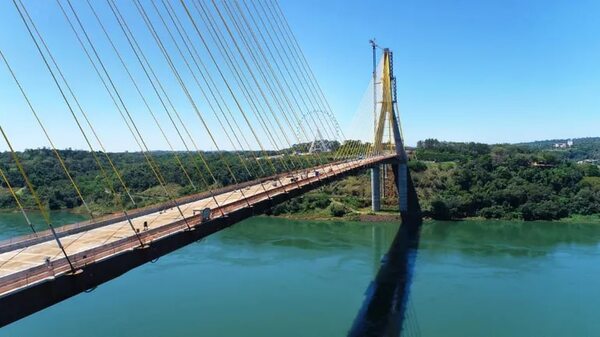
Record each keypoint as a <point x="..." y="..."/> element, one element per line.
<point x="251" y="98"/>
<point x="35" y="273"/>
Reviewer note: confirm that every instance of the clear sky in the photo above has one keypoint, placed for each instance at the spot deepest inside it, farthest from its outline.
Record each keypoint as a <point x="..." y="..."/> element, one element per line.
<point x="468" y="70"/>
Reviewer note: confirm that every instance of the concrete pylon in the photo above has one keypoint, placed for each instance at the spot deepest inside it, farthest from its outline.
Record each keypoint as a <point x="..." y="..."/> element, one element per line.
<point x="387" y="115"/>
<point x="402" y="187"/>
<point x="376" y="188"/>
<point x="401" y="170"/>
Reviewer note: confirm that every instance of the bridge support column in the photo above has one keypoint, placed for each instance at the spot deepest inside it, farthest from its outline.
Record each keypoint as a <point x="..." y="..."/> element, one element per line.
<point x="402" y="181"/>
<point x="384" y="182"/>
<point x="376" y="188"/>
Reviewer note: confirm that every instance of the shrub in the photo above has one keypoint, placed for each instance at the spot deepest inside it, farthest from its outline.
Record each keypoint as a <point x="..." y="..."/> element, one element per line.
<point x="439" y="210"/>
<point x="417" y="166"/>
<point x="493" y="212"/>
<point x="338" y="210"/>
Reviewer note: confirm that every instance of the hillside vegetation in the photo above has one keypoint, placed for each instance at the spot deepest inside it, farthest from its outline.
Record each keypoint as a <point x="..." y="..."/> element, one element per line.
<point x="583" y="148"/>
<point x="504" y="181"/>
<point x="461" y="180"/>
<point x="56" y="191"/>
<point x="530" y="181"/>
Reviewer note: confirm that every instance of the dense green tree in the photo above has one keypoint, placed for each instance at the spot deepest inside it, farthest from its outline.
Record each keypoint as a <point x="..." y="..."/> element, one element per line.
<point x="454" y="180"/>
<point x="440" y="210"/>
<point x="504" y="181"/>
<point x="338" y="210"/>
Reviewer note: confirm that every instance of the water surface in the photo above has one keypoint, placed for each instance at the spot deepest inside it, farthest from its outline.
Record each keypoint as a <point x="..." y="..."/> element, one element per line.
<point x="262" y="277"/>
<point x="14" y="224"/>
<point x="276" y="277"/>
<point x="489" y="278"/>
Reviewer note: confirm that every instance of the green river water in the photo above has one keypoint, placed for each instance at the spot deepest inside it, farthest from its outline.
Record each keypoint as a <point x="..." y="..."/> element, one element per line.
<point x="276" y="277"/>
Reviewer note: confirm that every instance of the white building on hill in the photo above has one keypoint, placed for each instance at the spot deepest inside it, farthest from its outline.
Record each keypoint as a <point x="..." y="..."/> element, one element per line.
<point x="566" y="145"/>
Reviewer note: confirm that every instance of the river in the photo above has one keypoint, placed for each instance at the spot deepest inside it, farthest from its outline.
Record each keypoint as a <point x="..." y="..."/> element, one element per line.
<point x="276" y="277"/>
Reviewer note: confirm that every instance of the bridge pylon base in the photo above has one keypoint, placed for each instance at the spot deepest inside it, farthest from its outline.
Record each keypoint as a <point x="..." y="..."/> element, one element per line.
<point x="402" y="186"/>
<point x="376" y="188"/>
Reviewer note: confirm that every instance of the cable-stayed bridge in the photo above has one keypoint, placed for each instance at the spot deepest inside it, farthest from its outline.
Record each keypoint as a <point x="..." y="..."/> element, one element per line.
<point x="230" y="70"/>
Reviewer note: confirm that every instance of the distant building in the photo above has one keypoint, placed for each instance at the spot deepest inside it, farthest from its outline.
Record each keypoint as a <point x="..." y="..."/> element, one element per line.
<point x="542" y="165"/>
<point x="589" y="161"/>
<point x="566" y="145"/>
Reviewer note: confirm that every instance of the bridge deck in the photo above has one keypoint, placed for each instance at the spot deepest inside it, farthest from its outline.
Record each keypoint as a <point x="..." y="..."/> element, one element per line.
<point x="24" y="261"/>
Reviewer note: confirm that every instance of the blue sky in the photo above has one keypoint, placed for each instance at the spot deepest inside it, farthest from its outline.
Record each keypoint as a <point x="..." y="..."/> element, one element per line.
<point x="470" y="70"/>
<point x="467" y="70"/>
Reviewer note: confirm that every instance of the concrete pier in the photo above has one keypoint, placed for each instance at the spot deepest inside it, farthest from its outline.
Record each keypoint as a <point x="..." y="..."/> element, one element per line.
<point x="403" y="186"/>
<point x="376" y="188"/>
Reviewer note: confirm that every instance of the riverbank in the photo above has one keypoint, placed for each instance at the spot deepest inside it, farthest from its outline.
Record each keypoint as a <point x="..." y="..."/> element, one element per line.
<point x="363" y="215"/>
<point x="355" y="217"/>
<point x="390" y="216"/>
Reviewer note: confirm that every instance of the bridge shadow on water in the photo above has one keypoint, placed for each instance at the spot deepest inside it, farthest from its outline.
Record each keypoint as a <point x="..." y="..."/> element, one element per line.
<point x="385" y="307"/>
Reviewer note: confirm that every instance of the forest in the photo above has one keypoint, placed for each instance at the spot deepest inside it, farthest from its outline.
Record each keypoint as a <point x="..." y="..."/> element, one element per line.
<point x="529" y="181"/>
<point x="457" y="180"/>
<point x="147" y="177"/>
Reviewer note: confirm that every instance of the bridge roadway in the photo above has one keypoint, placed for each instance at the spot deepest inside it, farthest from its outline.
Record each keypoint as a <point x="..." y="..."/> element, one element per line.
<point x="29" y="260"/>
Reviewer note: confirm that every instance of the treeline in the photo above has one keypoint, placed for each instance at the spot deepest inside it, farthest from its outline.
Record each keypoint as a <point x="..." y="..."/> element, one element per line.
<point x="453" y="180"/>
<point x="583" y="148"/>
<point x="461" y="180"/>
<point x="329" y="145"/>
<point x="56" y="191"/>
